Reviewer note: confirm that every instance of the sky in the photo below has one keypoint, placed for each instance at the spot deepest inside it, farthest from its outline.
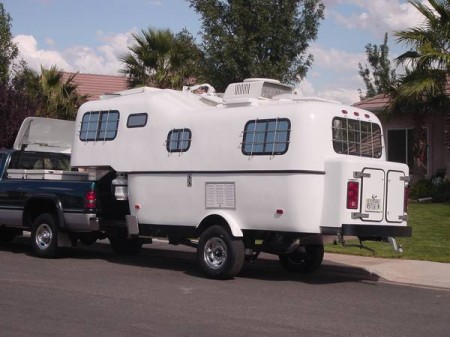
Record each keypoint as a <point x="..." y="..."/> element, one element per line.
<point x="88" y="36"/>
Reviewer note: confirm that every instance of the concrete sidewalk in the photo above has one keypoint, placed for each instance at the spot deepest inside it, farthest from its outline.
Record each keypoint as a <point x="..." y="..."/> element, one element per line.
<point x="410" y="272"/>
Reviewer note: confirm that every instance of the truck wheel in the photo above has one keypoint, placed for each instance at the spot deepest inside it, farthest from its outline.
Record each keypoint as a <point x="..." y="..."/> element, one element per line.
<point x="44" y="236"/>
<point x="8" y="234"/>
<point x="305" y="260"/>
<point x="220" y="256"/>
<point x="125" y="246"/>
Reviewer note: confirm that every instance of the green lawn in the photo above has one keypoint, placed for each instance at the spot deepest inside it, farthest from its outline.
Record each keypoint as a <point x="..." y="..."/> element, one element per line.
<point x="430" y="237"/>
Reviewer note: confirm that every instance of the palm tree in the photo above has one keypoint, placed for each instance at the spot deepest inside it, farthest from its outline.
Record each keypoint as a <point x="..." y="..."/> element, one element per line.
<point x="423" y="87"/>
<point x="159" y="58"/>
<point x="60" y="98"/>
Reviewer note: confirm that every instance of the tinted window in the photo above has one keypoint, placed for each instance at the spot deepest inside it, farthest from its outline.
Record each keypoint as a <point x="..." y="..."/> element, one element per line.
<point x="266" y="137"/>
<point x="179" y="140"/>
<point x="99" y="125"/>
<point x="40" y="161"/>
<point x="137" y="120"/>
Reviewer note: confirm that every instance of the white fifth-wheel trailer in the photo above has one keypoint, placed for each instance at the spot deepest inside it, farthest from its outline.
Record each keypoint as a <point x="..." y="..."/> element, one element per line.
<point x="257" y="169"/>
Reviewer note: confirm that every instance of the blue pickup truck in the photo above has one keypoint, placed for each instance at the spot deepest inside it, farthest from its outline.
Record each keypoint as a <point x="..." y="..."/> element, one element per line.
<point x="39" y="193"/>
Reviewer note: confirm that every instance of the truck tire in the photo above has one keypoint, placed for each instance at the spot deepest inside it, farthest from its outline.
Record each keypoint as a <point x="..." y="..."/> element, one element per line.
<point x="44" y="236"/>
<point x="219" y="254"/>
<point x="8" y="234"/>
<point x="304" y="260"/>
<point x="125" y="246"/>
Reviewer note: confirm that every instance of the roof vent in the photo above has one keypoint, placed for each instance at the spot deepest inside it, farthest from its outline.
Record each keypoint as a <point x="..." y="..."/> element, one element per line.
<point x="253" y="89"/>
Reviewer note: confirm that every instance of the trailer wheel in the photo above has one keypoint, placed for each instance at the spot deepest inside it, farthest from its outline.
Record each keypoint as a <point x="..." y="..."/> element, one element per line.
<point x="220" y="256"/>
<point x="305" y="260"/>
<point x="8" y="234"/>
<point x="125" y="246"/>
<point x="44" y="236"/>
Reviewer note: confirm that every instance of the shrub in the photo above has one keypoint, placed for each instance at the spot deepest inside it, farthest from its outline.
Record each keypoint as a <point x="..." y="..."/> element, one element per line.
<point x="441" y="192"/>
<point x="421" y="189"/>
<point x="437" y="189"/>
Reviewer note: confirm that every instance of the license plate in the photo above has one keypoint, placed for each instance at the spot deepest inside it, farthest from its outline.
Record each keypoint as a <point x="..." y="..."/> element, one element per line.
<point x="373" y="205"/>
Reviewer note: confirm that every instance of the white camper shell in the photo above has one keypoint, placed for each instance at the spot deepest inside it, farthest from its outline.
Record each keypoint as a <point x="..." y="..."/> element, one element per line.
<point x="260" y="169"/>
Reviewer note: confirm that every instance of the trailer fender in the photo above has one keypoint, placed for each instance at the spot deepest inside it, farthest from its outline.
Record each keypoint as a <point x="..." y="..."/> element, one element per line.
<point x="225" y="218"/>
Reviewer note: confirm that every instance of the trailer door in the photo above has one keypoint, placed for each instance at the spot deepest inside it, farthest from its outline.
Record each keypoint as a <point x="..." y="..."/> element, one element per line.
<point x="372" y="195"/>
<point x="395" y="199"/>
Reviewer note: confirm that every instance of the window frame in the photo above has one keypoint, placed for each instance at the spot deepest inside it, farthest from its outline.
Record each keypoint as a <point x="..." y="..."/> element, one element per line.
<point x="179" y="141"/>
<point x="137" y="115"/>
<point x="265" y="142"/>
<point x="353" y="134"/>
<point x="98" y="124"/>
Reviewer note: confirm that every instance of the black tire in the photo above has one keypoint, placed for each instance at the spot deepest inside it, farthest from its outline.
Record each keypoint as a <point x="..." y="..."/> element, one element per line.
<point x="8" y="234"/>
<point x="125" y="246"/>
<point x="219" y="254"/>
<point x="44" y="236"/>
<point x="305" y="260"/>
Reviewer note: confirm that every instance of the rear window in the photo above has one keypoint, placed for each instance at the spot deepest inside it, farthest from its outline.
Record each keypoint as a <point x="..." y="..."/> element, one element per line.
<point x="356" y="138"/>
<point x="40" y="161"/>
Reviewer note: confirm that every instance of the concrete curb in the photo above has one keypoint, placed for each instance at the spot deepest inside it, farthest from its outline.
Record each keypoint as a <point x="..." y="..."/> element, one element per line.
<point x="409" y="272"/>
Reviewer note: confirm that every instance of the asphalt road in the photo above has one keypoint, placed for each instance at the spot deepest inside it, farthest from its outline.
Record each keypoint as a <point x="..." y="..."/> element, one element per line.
<point x="92" y="292"/>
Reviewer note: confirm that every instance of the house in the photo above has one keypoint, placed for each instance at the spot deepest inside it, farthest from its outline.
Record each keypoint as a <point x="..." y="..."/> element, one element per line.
<point x="94" y="85"/>
<point x="398" y="135"/>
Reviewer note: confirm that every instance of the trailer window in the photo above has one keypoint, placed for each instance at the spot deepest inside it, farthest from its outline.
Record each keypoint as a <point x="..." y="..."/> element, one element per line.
<point x="137" y="120"/>
<point x="356" y="138"/>
<point x="178" y="140"/>
<point x="99" y="125"/>
<point x="266" y="137"/>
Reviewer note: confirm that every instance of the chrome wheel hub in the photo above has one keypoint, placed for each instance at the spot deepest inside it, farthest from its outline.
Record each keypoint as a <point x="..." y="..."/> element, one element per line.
<point x="215" y="253"/>
<point x="44" y="236"/>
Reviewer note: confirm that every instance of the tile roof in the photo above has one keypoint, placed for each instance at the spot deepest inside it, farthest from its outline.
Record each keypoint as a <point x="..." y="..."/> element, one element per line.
<point x="381" y="101"/>
<point x="375" y="104"/>
<point x="95" y="85"/>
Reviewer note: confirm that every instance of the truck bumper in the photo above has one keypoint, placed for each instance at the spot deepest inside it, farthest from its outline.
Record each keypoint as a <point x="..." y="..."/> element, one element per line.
<point x="80" y="222"/>
<point x="368" y="231"/>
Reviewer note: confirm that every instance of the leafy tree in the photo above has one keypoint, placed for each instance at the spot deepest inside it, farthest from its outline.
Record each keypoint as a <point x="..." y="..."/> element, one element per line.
<point x="8" y="50"/>
<point x="161" y="59"/>
<point x="380" y="78"/>
<point x="14" y="107"/>
<point x="257" y="38"/>
<point x="423" y="87"/>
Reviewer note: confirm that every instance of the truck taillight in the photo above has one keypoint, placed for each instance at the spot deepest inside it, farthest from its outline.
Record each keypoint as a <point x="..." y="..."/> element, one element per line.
<point x="90" y="200"/>
<point x="352" y="194"/>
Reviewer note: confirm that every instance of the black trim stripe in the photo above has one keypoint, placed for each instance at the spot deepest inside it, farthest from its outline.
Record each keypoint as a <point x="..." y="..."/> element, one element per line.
<point x="231" y="172"/>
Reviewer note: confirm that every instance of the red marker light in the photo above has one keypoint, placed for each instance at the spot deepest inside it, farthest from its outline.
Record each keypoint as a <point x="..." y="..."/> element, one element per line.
<point x="352" y="194"/>
<point x="90" y="200"/>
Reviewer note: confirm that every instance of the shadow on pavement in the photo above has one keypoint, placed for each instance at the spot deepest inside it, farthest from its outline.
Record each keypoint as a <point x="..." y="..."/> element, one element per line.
<point x="163" y="256"/>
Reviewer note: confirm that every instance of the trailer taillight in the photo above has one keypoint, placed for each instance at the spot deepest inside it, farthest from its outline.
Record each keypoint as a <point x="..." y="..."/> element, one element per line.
<point x="352" y="194"/>
<point x="405" y="202"/>
<point x="90" y="200"/>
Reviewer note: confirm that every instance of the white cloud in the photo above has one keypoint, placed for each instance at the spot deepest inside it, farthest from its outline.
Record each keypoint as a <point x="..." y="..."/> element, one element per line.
<point x="28" y="48"/>
<point x="336" y="60"/>
<point x="305" y="88"/>
<point x="340" y="94"/>
<point x="346" y="96"/>
<point x="377" y="16"/>
<point x="101" y="60"/>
